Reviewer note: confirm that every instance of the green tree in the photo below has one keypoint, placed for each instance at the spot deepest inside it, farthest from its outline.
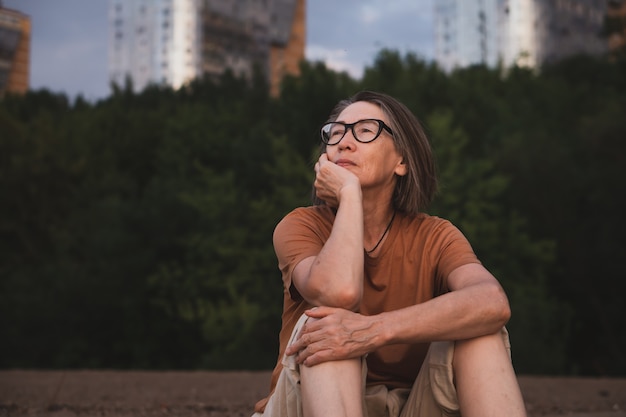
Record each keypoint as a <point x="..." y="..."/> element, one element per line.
<point x="137" y="231"/>
<point x="471" y="196"/>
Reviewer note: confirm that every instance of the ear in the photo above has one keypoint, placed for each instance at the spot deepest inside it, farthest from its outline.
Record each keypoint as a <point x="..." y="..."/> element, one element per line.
<point x="401" y="168"/>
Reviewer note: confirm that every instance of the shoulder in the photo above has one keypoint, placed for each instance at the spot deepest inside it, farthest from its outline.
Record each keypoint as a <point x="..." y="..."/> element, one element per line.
<point x="434" y="232"/>
<point x="439" y="242"/>
<point x="322" y="213"/>
<point x="302" y="233"/>
<point x="310" y="214"/>
<point x="426" y="223"/>
<point x="312" y="218"/>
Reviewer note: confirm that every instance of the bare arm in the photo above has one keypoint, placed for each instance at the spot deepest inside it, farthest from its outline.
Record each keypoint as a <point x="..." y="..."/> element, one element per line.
<point x="335" y="276"/>
<point x="476" y="306"/>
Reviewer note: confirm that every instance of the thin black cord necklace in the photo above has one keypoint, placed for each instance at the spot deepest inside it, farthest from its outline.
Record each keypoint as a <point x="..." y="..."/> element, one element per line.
<point x="384" y="234"/>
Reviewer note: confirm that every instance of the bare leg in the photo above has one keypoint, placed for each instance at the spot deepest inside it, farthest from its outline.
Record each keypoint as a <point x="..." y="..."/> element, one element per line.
<point x="332" y="389"/>
<point x="485" y="379"/>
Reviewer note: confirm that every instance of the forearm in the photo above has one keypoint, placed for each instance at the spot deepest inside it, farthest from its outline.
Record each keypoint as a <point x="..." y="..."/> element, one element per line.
<point x="474" y="311"/>
<point x="338" y="334"/>
<point x="336" y="276"/>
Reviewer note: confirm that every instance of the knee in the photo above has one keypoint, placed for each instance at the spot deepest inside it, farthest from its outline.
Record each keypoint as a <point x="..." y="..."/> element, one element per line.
<point x="496" y="339"/>
<point x="333" y="373"/>
<point x="487" y="348"/>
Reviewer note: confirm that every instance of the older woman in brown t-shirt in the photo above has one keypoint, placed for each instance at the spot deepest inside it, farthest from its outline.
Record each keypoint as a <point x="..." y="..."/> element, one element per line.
<point x="387" y="311"/>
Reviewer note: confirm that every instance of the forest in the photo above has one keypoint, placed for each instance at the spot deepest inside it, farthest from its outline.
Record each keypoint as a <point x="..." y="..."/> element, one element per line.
<point x="136" y="230"/>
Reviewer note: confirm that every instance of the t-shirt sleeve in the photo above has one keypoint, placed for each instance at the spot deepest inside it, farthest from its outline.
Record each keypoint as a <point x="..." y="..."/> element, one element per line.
<point x="452" y="251"/>
<point x="299" y="235"/>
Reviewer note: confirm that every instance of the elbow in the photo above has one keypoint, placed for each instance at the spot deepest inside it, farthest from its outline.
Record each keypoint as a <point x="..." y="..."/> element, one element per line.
<point x="505" y="315"/>
<point x="331" y="291"/>
<point x="346" y="297"/>
<point x="502" y="307"/>
<point x="350" y="299"/>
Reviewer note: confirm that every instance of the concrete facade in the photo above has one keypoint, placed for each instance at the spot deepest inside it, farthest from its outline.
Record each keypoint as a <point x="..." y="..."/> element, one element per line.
<point x="171" y="42"/>
<point x="616" y="32"/>
<point x="15" y="32"/>
<point x="527" y="33"/>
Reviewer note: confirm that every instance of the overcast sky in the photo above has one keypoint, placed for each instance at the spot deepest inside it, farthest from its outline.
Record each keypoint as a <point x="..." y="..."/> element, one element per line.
<point x="69" y="38"/>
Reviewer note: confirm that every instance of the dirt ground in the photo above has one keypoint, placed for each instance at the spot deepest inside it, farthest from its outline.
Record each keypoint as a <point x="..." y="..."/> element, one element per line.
<point x="233" y="394"/>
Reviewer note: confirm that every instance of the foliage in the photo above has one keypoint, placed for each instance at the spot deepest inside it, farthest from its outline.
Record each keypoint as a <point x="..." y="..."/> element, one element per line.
<point x="136" y="231"/>
<point x="471" y="197"/>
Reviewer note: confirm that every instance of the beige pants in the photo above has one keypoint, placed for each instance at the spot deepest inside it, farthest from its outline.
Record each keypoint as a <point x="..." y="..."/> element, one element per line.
<point x="433" y="393"/>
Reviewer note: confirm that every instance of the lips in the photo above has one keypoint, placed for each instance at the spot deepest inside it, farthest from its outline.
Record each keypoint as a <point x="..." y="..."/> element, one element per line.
<point x="344" y="162"/>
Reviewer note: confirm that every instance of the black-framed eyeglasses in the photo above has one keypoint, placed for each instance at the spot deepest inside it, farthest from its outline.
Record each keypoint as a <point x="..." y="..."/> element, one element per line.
<point x="364" y="131"/>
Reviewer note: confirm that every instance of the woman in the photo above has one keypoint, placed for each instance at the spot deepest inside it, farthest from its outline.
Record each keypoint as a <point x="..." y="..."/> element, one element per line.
<point x="387" y="311"/>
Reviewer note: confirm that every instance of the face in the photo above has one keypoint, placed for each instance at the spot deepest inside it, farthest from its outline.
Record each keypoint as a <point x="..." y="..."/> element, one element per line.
<point x="375" y="163"/>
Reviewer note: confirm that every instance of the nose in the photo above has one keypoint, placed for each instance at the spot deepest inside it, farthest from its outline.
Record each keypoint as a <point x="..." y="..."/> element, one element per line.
<point x="348" y="140"/>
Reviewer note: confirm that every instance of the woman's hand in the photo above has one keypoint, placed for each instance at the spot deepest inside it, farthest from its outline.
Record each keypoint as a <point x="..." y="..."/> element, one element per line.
<point x="332" y="180"/>
<point x="336" y="334"/>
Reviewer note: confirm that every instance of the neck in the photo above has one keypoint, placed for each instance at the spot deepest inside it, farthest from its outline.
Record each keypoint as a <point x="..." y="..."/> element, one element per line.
<point x="377" y="224"/>
<point x="377" y="212"/>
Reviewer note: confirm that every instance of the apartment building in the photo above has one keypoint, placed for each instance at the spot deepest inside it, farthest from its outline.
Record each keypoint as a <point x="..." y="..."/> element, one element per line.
<point x="528" y="33"/>
<point x="616" y="28"/>
<point x="570" y="27"/>
<point x="465" y="33"/>
<point x="171" y="42"/>
<point x="15" y="33"/>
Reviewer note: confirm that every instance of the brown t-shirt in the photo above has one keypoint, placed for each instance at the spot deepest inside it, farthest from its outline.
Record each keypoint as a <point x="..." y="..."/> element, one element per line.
<point x="412" y="267"/>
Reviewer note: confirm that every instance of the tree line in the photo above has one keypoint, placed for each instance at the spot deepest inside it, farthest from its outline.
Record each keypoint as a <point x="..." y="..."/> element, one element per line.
<point x="136" y="231"/>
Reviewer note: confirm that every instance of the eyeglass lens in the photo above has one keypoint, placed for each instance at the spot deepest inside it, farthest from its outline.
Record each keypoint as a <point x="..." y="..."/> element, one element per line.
<point x="363" y="131"/>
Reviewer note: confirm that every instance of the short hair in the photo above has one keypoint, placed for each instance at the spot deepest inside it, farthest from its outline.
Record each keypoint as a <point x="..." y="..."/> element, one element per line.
<point x="415" y="190"/>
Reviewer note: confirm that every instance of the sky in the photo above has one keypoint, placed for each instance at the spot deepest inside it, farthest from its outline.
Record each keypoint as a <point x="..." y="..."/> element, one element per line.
<point x="69" y="38"/>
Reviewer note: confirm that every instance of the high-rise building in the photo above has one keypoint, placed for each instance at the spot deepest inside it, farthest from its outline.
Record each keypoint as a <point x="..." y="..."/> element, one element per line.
<point x="570" y="27"/>
<point x="14" y="51"/>
<point x="288" y="41"/>
<point x="153" y="41"/>
<point x="517" y="33"/>
<point x="174" y="41"/>
<point x="616" y="27"/>
<point x="527" y="33"/>
<point x="465" y="33"/>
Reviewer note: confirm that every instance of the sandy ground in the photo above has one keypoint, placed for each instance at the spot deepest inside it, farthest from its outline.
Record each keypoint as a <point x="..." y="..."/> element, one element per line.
<point x="233" y="394"/>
